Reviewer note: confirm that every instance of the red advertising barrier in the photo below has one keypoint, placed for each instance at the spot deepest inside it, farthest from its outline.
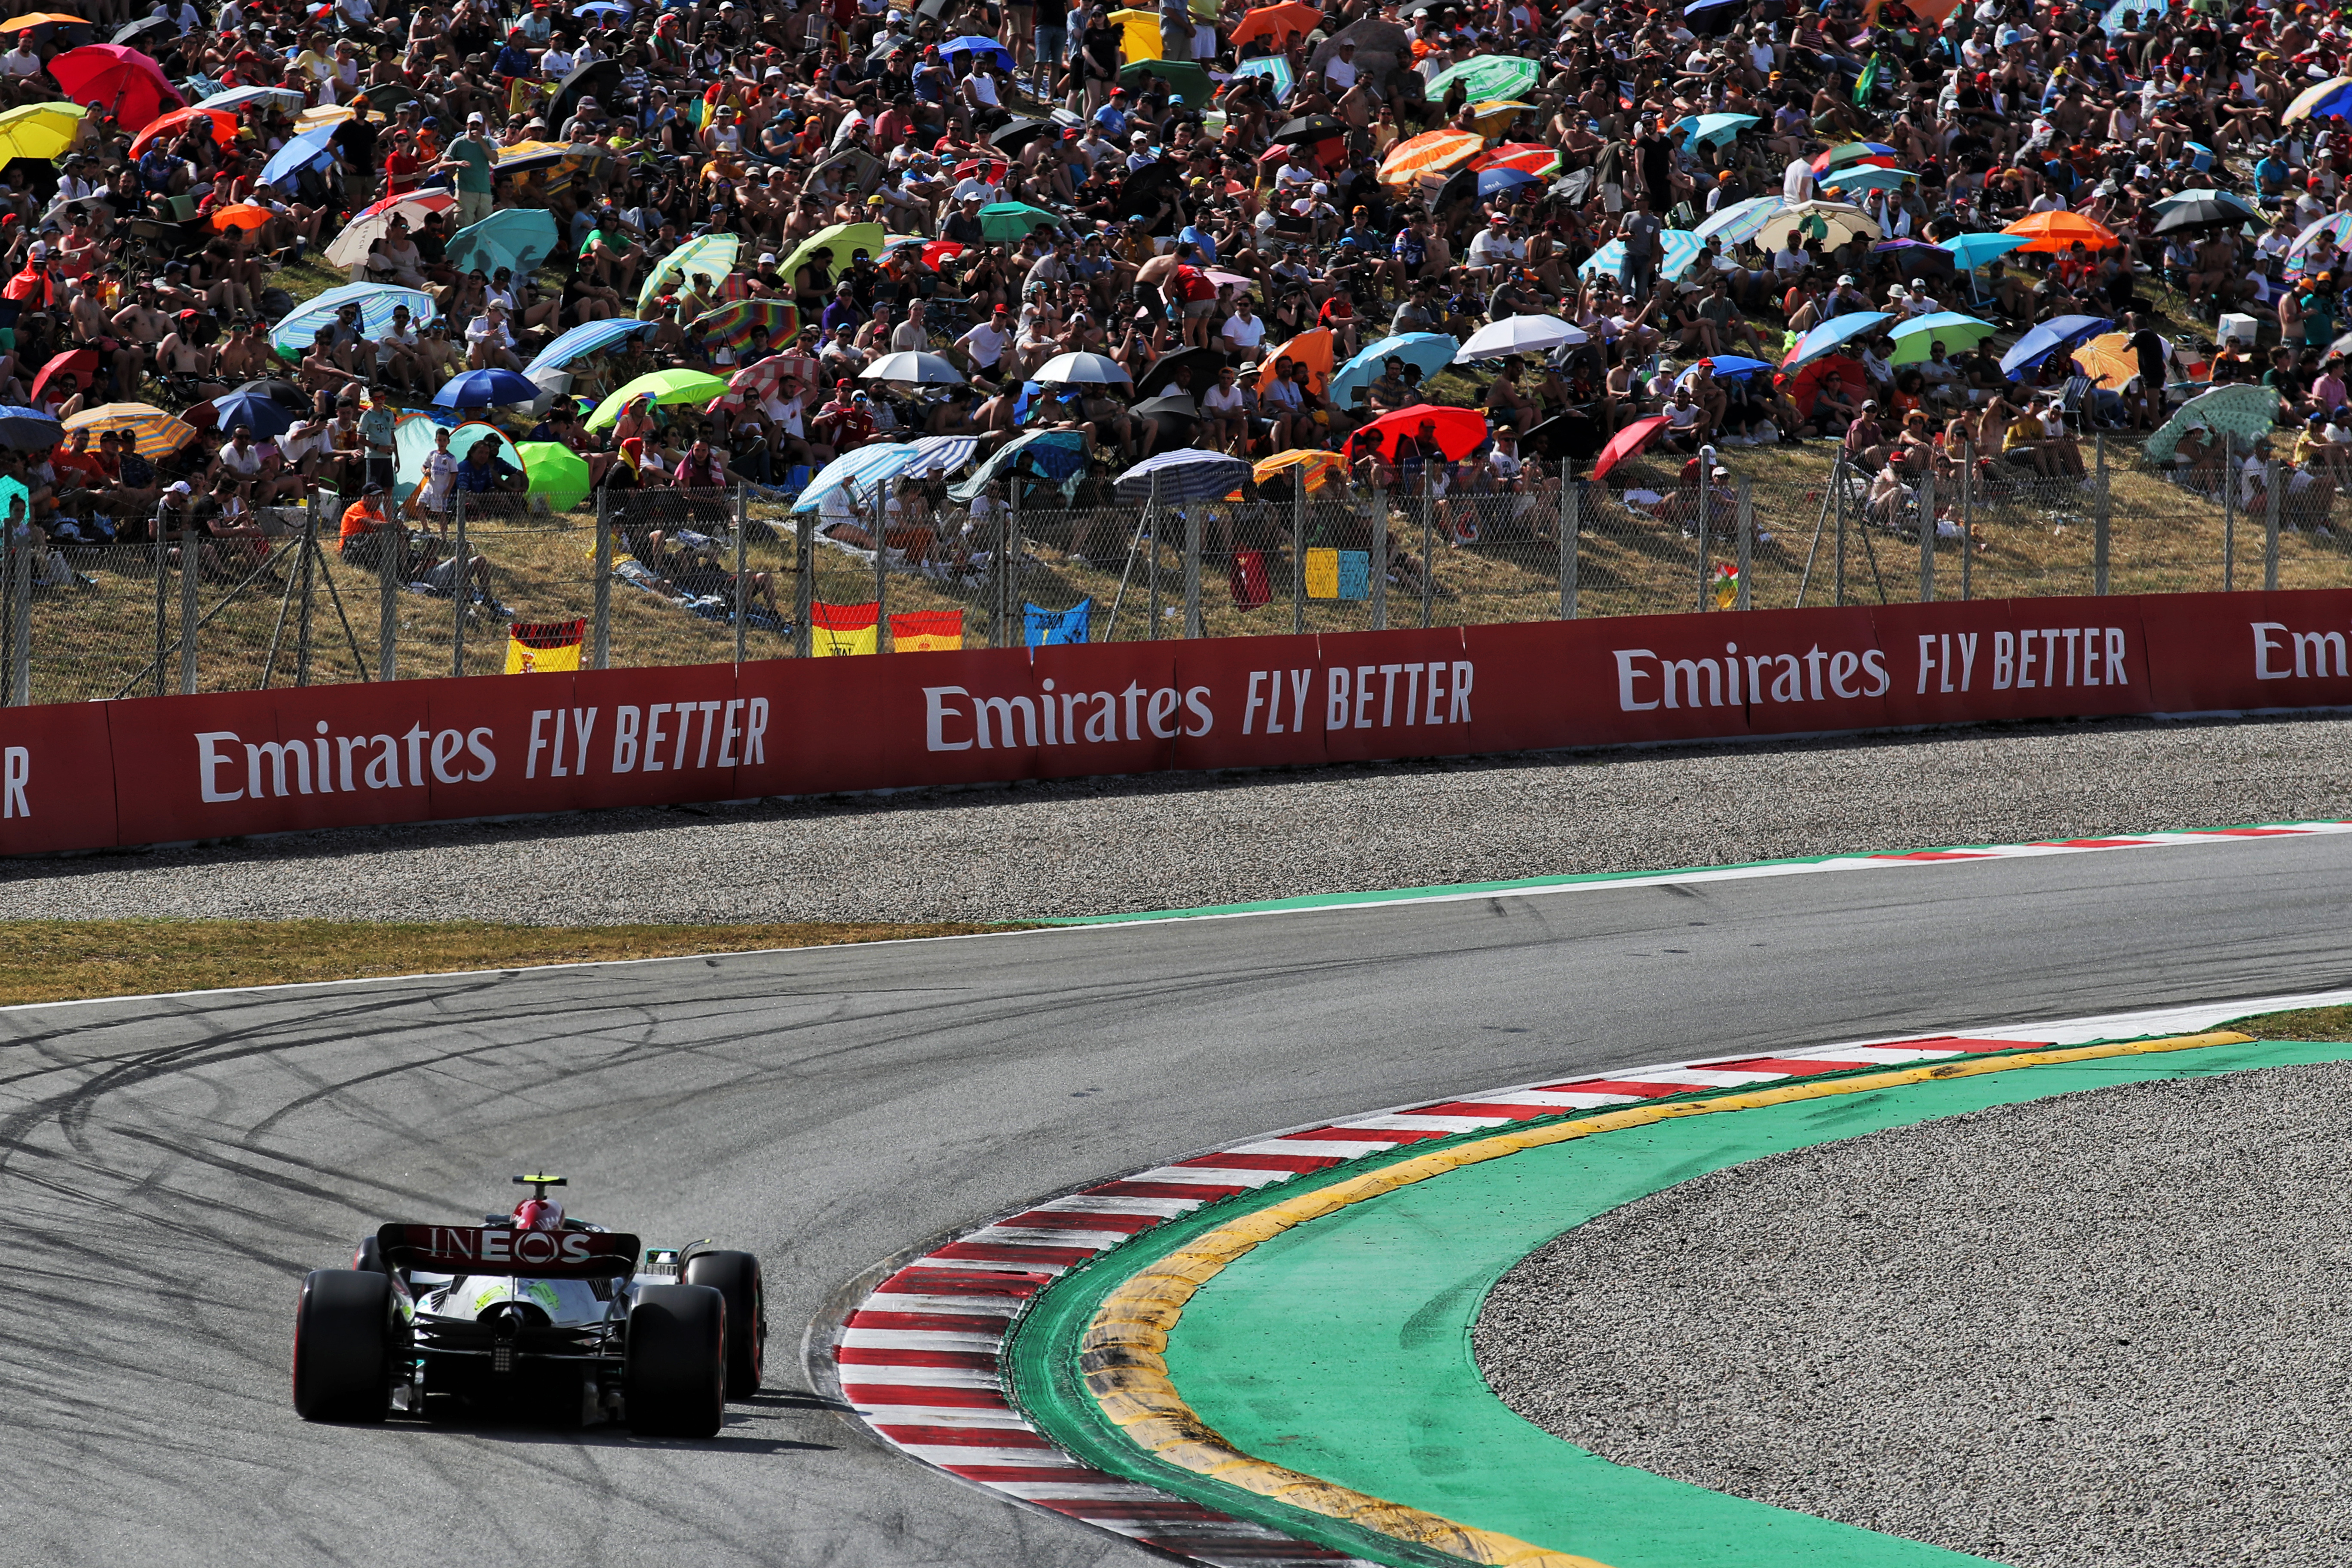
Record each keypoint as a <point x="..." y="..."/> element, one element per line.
<point x="173" y="768"/>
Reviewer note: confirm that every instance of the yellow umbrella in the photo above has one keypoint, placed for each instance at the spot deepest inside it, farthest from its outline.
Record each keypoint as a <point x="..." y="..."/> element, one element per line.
<point x="841" y="239"/>
<point x="1322" y="468"/>
<point x="39" y="132"/>
<point x="2109" y="360"/>
<point x="38" y="19"/>
<point x="1492" y="116"/>
<point x="1138" y="35"/>
<point x="1430" y="153"/>
<point x="156" y="433"/>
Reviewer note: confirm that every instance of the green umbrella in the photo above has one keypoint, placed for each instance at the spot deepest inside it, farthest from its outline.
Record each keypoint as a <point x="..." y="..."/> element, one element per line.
<point x="1012" y="220"/>
<point x="1914" y="339"/>
<point x="841" y="239"/>
<point x="1485" y="76"/>
<point x="1191" y="82"/>
<point x="2247" y="413"/>
<point x="711" y="256"/>
<point x="665" y="387"/>
<point x="556" y="472"/>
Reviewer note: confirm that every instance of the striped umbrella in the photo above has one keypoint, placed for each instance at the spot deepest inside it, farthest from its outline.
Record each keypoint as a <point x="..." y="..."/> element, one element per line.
<point x="1187" y="474"/>
<point x="1677" y="248"/>
<point x="2331" y="232"/>
<point x="1740" y="221"/>
<point x="708" y="256"/>
<point x="1321" y="468"/>
<point x="1430" y="153"/>
<point x="862" y="471"/>
<point x="1492" y="118"/>
<point x="1527" y="157"/>
<point x="156" y="433"/>
<point x="1485" y="76"/>
<point x="732" y="325"/>
<point x="2328" y="98"/>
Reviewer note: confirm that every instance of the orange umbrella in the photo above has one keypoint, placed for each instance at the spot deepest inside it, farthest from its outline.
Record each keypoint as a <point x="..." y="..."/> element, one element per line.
<point x="2109" y="360"/>
<point x="1279" y="23"/>
<point x="32" y="19"/>
<point x="2061" y="231"/>
<point x="1312" y="349"/>
<point x="223" y="128"/>
<point x="1322" y="468"/>
<point x="242" y="214"/>
<point x="1430" y="153"/>
<point x="1527" y="157"/>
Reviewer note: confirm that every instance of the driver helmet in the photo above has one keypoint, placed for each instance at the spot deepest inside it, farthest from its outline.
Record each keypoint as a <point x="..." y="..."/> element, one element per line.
<point x="539" y="1214"/>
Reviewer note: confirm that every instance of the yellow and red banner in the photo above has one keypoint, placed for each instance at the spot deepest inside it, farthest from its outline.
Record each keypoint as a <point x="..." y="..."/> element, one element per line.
<point x="837" y="630"/>
<point x="544" y="647"/>
<point x="926" y="631"/>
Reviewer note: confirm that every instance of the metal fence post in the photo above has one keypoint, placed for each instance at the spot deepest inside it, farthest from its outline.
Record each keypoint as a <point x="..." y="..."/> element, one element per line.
<point x="2101" y="518"/>
<point x="1428" y="545"/>
<point x="1192" y="570"/>
<point x="1968" y="518"/>
<point x="1837" y="480"/>
<point x="2229" y="519"/>
<point x="387" y="595"/>
<point x="191" y="554"/>
<point x="742" y="550"/>
<point x="600" y="651"/>
<point x="2272" y="474"/>
<point x="1012" y="628"/>
<point x="1152" y="516"/>
<point x="1298" y="557"/>
<point x="20" y="613"/>
<point x="1570" y="526"/>
<point x="1377" y="557"/>
<point x="1744" y="521"/>
<point x="163" y="602"/>
<point x="1927" y="537"/>
<point x="308" y="569"/>
<point x="881" y="572"/>
<point x="460" y="586"/>
<point x="1701" y="517"/>
<point x="803" y="590"/>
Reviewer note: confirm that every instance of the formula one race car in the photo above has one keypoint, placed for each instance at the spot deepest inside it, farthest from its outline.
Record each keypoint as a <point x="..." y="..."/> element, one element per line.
<point x="532" y="1309"/>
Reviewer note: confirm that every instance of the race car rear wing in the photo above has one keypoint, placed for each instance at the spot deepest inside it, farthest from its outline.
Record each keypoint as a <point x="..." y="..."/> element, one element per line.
<point x="535" y="1254"/>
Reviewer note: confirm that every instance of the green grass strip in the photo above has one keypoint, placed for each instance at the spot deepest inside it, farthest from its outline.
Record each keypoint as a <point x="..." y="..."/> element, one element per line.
<point x="1340" y="1348"/>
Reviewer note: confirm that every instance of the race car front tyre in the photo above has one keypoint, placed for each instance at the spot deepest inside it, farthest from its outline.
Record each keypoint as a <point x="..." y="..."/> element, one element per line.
<point x="677" y="1378"/>
<point x="736" y="1277"/>
<point x="343" y="1334"/>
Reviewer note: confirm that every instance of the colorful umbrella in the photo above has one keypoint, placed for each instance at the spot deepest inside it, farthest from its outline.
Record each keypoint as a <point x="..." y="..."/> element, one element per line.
<point x="1188" y="474"/>
<point x="80" y="364"/>
<point x="2060" y="231"/>
<point x="587" y="339"/>
<point x="1914" y="338"/>
<point x="2200" y="194"/>
<point x="1528" y="157"/>
<point x="38" y="132"/>
<point x="296" y="331"/>
<point x="1428" y="352"/>
<point x="1276" y="69"/>
<point x="2327" y="99"/>
<point x="708" y="256"/>
<point x="1013" y="220"/>
<point x="1741" y="221"/>
<point x="1707" y="128"/>
<point x="1312" y="349"/>
<point x="240" y="215"/>
<point x="555" y="471"/>
<point x="487" y="389"/>
<point x="731" y="324"/>
<point x="1138" y="34"/>
<point x="1493" y="116"/>
<point x="258" y="411"/>
<point x="1279" y="23"/>
<point x="120" y="80"/>
<point x="2332" y="230"/>
<point x="843" y="239"/>
<point x="1677" y="249"/>
<point x="1829" y="334"/>
<point x="2046" y="339"/>
<point x="306" y="150"/>
<point x="1627" y="442"/>
<point x="1726" y="367"/>
<point x="224" y="126"/>
<point x="1831" y="223"/>
<point x="1457" y="431"/>
<point x="519" y="238"/>
<point x="351" y="247"/>
<point x="2109" y="360"/>
<point x="754" y="381"/>
<point x="1430" y="153"/>
<point x="29" y="429"/>
<point x="1805" y="390"/>
<point x="974" y="43"/>
<point x="2246" y="412"/>
<point x="1973" y="250"/>
<point x="1485" y="76"/>
<point x="1855" y="152"/>
<point x="1321" y="468"/>
<point x="412" y="205"/>
<point x="39" y="19"/>
<point x="1864" y="177"/>
<point x="1494" y="182"/>
<point x="663" y="387"/>
<point x="154" y="433"/>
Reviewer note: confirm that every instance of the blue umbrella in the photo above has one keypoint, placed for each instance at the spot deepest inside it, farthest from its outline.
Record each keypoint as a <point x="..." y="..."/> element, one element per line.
<point x="1727" y="367"/>
<point x="1428" y="352"/>
<point x="308" y="151"/>
<point x="295" y="331"/>
<point x="1491" y="180"/>
<point x="1741" y="221"/>
<point x="974" y="43"/>
<point x="257" y="411"/>
<point x="486" y="389"/>
<point x="1677" y="250"/>
<point x="1829" y="334"/>
<point x="1976" y="249"/>
<point x="1707" y="128"/>
<point x="1866" y="177"/>
<point x="602" y="8"/>
<point x="2047" y="338"/>
<point x="1188" y="474"/>
<point x="1054" y="454"/>
<point x="586" y="340"/>
<point x="29" y="430"/>
<point x="519" y="238"/>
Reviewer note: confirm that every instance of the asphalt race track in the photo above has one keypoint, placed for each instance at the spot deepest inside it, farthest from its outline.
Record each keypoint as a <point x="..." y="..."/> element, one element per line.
<point x="168" y="1169"/>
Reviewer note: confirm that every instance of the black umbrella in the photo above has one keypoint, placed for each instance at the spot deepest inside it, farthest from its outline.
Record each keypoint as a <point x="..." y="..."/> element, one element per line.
<point x="1574" y="434"/>
<point x="1178" y="403"/>
<point x="1015" y="134"/>
<point x="285" y="394"/>
<point x="1186" y="368"/>
<point x="2204" y="212"/>
<point x="1140" y="194"/>
<point x="599" y="80"/>
<point x="1573" y="188"/>
<point x="144" y="24"/>
<point x="1312" y="128"/>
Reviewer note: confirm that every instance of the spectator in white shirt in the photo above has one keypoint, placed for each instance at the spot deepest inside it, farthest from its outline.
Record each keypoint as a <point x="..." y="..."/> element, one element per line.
<point x="1243" y="331"/>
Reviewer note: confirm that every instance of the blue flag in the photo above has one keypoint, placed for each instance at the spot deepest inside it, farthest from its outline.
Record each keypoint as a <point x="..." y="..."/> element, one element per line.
<point x="1049" y="626"/>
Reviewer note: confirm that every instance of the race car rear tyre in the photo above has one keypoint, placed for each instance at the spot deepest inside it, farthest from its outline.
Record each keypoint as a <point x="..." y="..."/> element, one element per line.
<point x="677" y="1379"/>
<point x="369" y="1257"/>
<point x="736" y="1277"/>
<point x="342" y="1346"/>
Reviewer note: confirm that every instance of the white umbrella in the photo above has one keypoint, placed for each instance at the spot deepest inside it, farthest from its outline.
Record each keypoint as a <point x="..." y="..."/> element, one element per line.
<point x="924" y="370"/>
<point x="1517" y="335"/>
<point x="1838" y="221"/>
<point x="1072" y="369"/>
<point x="350" y="249"/>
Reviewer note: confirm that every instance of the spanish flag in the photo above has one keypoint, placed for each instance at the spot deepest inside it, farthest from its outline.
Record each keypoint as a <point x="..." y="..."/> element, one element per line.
<point x="838" y="629"/>
<point x="541" y="647"/>
<point x="926" y="631"/>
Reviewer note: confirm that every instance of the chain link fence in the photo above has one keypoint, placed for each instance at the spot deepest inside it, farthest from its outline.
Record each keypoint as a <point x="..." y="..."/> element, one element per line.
<point x="96" y="609"/>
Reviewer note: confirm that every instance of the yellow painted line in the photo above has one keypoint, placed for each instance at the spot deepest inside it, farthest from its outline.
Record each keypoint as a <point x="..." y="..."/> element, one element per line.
<point x="1122" y="1354"/>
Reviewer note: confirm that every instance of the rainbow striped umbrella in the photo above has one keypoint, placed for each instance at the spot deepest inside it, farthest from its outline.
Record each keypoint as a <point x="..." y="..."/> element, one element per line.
<point x="2331" y="231"/>
<point x="2329" y="98"/>
<point x="1431" y="152"/>
<point x="156" y="433"/>
<point x="732" y="325"/>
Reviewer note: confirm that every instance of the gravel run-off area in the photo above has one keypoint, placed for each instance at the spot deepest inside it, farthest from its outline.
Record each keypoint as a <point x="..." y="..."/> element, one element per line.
<point x="1176" y="841"/>
<point x="2107" y="1330"/>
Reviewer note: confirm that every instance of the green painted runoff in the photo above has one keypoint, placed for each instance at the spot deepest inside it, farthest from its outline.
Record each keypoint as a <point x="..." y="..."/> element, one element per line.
<point x="1341" y="1347"/>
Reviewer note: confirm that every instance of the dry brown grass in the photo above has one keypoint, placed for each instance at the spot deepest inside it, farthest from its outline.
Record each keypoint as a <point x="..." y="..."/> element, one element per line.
<point x="56" y="960"/>
<point x="2304" y="1023"/>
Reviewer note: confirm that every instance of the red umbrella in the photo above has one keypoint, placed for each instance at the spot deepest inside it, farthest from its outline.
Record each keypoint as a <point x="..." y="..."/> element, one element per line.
<point x="1805" y="386"/>
<point x="120" y="80"/>
<point x="938" y="250"/>
<point x="1627" y="442"/>
<point x="223" y="128"/>
<point x="1457" y="431"/>
<point x="82" y="362"/>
